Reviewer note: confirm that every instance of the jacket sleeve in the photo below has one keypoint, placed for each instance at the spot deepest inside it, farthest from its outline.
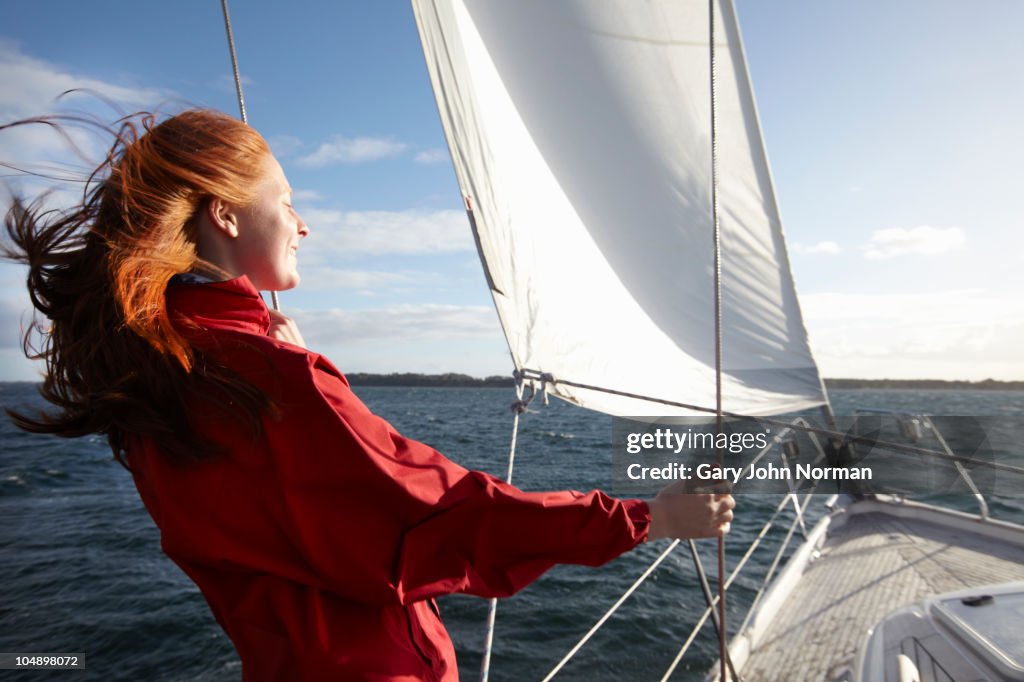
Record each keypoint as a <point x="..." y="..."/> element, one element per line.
<point x="380" y="518"/>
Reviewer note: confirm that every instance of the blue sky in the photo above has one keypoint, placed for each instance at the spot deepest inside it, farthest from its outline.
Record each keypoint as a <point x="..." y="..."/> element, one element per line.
<point x="892" y="128"/>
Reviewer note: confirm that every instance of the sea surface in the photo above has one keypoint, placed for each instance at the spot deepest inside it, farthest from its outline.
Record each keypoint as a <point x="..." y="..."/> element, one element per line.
<point x="81" y="569"/>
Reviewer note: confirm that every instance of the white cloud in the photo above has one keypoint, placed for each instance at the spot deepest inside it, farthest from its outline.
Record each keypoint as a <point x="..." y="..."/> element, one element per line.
<point x="959" y="334"/>
<point x="43" y="150"/>
<point x="335" y="233"/>
<point x="31" y="87"/>
<point x="828" y="246"/>
<point x="340" y="149"/>
<point x="922" y="240"/>
<point x="396" y="323"/>
<point x="372" y="281"/>
<point x="432" y="156"/>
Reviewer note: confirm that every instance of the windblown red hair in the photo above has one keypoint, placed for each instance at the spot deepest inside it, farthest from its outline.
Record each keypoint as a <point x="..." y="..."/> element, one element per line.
<point x="115" y="364"/>
<point x="155" y="188"/>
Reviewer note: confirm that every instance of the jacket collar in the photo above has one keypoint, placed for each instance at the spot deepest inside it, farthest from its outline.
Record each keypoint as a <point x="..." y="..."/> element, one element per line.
<point x="233" y="305"/>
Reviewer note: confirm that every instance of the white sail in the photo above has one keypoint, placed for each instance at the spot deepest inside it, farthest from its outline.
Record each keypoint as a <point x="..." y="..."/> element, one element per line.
<point x="580" y="135"/>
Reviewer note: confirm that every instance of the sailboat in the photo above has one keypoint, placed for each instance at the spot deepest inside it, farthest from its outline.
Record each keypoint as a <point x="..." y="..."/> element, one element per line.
<point x="618" y="190"/>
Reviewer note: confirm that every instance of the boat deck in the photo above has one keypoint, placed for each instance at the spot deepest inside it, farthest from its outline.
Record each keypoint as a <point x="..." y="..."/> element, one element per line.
<point x="870" y="565"/>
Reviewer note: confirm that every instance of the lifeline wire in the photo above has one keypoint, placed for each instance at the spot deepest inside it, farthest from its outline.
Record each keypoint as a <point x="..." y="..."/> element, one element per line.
<point x="601" y="621"/>
<point x="274" y="303"/>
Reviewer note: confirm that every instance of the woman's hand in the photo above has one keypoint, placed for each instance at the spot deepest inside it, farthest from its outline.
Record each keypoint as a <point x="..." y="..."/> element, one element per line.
<point x="283" y="328"/>
<point x="677" y="512"/>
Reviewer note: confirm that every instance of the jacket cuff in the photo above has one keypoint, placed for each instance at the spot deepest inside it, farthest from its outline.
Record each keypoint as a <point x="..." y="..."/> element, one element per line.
<point x="640" y="517"/>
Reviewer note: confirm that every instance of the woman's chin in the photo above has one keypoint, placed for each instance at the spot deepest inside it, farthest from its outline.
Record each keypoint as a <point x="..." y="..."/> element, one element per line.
<point x="289" y="283"/>
<point x="278" y="283"/>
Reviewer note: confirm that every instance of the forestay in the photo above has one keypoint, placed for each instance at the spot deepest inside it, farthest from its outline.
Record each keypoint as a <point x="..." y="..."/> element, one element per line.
<point x="580" y="135"/>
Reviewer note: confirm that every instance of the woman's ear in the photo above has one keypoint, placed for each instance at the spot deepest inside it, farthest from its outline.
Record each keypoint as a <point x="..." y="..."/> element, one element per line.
<point x="222" y="216"/>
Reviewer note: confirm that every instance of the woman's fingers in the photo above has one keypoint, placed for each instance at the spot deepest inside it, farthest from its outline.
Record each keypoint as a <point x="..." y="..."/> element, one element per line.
<point x="283" y="328"/>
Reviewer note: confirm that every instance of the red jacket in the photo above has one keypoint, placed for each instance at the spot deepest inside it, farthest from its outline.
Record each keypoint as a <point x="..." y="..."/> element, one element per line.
<point x="320" y="547"/>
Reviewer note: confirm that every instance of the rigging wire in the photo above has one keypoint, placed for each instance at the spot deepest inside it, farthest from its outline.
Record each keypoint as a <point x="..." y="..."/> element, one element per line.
<point x="717" y="242"/>
<point x="274" y="303"/>
<point x="518" y="408"/>
<point x="234" y="60"/>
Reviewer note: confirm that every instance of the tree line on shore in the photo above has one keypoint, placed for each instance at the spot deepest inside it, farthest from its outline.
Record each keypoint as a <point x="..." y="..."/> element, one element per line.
<point x="449" y="379"/>
<point x="456" y="380"/>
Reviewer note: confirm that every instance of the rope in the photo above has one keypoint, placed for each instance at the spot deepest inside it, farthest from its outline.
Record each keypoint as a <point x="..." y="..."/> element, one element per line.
<point x="518" y="408"/>
<point x="717" y="240"/>
<point x="274" y="303"/>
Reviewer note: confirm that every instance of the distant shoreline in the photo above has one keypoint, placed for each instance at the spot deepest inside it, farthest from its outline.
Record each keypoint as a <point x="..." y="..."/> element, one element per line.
<point x="455" y="380"/>
<point x="464" y="380"/>
<point x="927" y="384"/>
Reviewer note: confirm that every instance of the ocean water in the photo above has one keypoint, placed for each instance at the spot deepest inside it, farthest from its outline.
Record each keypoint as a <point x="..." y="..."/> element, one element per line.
<point x="81" y="569"/>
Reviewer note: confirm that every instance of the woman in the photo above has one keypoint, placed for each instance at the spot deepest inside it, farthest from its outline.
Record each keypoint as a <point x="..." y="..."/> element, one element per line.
<point x="318" y="535"/>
